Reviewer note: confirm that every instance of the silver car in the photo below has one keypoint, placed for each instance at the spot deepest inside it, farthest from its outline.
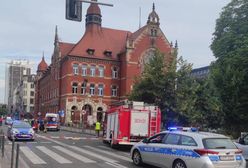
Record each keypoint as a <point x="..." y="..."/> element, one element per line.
<point x="180" y="149"/>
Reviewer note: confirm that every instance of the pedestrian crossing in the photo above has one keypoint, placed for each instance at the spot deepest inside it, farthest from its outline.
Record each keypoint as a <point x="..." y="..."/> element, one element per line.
<point x="60" y="153"/>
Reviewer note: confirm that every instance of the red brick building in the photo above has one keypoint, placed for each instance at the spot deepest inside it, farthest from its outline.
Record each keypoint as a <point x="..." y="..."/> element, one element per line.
<point x="98" y="70"/>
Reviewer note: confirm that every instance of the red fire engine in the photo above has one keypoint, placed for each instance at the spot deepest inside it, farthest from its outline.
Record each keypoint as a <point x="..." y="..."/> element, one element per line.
<point x="128" y="122"/>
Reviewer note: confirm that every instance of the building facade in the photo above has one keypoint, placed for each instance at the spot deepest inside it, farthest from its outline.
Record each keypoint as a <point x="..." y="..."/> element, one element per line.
<point x="83" y="79"/>
<point x="200" y="73"/>
<point x="15" y="71"/>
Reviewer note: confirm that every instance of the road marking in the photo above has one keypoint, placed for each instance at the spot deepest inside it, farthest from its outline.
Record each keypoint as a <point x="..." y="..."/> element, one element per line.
<point x="53" y="155"/>
<point x="108" y="148"/>
<point x="81" y="150"/>
<point x="109" y="153"/>
<point x="45" y="142"/>
<point x="75" y="155"/>
<point x="31" y="155"/>
<point x="116" y="165"/>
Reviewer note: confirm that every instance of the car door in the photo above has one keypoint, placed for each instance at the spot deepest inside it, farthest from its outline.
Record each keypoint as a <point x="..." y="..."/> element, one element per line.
<point x="243" y="145"/>
<point x="150" y="151"/>
<point x="169" y="149"/>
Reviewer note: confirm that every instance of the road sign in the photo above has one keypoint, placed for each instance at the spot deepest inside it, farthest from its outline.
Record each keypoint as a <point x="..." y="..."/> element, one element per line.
<point x="62" y="113"/>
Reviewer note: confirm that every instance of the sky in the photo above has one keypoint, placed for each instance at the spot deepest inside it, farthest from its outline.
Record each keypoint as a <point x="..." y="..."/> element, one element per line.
<point x="28" y="27"/>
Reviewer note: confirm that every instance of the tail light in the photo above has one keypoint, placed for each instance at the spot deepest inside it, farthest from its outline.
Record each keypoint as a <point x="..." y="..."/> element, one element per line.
<point x="202" y="152"/>
<point x="239" y="151"/>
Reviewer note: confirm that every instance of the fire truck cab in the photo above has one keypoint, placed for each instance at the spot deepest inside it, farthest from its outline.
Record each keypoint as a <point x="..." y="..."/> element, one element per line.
<point x="128" y="122"/>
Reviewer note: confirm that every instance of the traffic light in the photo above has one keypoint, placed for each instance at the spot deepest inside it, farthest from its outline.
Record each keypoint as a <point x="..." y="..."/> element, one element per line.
<point x="74" y="10"/>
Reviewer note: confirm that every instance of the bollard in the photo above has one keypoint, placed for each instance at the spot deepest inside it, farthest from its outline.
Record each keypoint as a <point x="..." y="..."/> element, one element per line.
<point x="12" y="152"/>
<point x="17" y="155"/>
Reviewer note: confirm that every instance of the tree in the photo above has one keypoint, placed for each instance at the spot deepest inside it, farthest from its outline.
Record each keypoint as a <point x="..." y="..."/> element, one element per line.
<point x="230" y="71"/>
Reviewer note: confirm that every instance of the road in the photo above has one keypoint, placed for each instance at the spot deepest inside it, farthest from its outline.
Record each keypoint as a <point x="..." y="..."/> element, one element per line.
<point x="66" y="150"/>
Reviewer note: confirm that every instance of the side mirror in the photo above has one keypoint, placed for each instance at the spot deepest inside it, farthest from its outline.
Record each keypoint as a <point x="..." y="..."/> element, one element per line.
<point x="145" y="140"/>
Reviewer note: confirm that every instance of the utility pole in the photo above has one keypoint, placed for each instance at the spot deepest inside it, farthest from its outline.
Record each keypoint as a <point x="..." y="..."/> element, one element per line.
<point x="74" y="8"/>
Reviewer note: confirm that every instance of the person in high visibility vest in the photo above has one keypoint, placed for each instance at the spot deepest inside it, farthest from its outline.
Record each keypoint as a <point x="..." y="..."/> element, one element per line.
<point x="97" y="128"/>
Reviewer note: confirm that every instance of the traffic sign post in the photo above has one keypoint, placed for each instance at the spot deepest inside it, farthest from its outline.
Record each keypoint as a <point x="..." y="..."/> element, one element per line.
<point x="74" y="8"/>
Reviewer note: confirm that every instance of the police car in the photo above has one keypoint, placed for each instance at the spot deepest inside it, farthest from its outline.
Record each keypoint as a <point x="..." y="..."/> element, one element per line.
<point x="188" y="149"/>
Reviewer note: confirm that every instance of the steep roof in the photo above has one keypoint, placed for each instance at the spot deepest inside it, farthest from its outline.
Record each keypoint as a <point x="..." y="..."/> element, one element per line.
<point x="65" y="48"/>
<point x="101" y="40"/>
<point x="42" y="65"/>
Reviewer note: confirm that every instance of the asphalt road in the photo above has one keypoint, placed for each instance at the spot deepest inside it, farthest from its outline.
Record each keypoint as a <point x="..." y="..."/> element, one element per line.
<point x="66" y="150"/>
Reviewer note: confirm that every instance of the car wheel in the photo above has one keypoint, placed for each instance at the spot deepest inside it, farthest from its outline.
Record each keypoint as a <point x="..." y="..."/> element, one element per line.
<point x="137" y="160"/>
<point x="179" y="164"/>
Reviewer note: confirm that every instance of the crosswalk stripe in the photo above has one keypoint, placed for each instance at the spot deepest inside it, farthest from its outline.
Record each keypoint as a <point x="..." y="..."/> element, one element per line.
<point x="93" y="154"/>
<point x="105" y="147"/>
<point x="53" y="155"/>
<point x="31" y="155"/>
<point x="75" y="155"/>
<point x="116" y="165"/>
<point x="109" y="153"/>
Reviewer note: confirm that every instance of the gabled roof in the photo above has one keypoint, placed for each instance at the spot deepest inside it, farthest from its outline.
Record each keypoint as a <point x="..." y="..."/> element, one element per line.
<point x="101" y="40"/>
<point x="65" y="48"/>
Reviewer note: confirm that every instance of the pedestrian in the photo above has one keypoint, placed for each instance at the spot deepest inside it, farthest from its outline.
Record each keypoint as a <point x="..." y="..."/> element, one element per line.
<point x="97" y="128"/>
<point x="45" y="125"/>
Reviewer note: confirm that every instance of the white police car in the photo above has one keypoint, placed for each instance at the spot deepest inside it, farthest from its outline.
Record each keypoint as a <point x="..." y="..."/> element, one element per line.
<point x="180" y="149"/>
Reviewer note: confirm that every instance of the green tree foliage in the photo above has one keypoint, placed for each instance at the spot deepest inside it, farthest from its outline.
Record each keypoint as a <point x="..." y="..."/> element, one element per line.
<point x="230" y="71"/>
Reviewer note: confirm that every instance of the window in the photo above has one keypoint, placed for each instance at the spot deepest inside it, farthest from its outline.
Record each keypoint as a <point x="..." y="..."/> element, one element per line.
<point x="218" y="143"/>
<point x="75" y="69"/>
<point x="100" y="90"/>
<point x="74" y="87"/>
<point x="114" y="73"/>
<point x="92" y="89"/>
<point x="84" y="70"/>
<point x="172" y="139"/>
<point x="25" y="93"/>
<point x="114" y="91"/>
<point x="101" y="71"/>
<point x="83" y="88"/>
<point x="31" y="101"/>
<point x="32" y="85"/>
<point x="32" y="93"/>
<point x="92" y="70"/>
<point x="157" y="138"/>
<point x="187" y="141"/>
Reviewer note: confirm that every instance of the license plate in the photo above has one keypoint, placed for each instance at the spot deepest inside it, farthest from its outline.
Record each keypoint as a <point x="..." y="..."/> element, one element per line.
<point x="226" y="158"/>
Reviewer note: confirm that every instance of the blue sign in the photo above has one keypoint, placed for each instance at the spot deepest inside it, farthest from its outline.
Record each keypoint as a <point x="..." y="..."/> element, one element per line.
<point x="62" y="113"/>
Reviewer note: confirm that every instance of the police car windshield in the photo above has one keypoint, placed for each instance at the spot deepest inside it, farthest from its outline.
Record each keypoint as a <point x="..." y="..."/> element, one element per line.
<point x="21" y="125"/>
<point x="218" y="143"/>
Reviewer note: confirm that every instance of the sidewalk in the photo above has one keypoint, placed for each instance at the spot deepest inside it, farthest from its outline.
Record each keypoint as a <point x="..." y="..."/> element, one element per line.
<point x="80" y="130"/>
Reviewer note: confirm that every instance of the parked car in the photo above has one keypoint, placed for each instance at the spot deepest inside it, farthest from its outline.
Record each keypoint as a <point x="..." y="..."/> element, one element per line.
<point x="174" y="149"/>
<point x="8" y="121"/>
<point x="20" y="130"/>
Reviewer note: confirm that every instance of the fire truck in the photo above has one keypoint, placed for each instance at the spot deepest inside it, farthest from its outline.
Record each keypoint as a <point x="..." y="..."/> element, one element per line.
<point x="128" y="122"/>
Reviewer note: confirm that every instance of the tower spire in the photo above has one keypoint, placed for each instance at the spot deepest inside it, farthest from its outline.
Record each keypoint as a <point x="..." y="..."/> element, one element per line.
<point x="56" y="39"/>
<point x="153" y="6"/>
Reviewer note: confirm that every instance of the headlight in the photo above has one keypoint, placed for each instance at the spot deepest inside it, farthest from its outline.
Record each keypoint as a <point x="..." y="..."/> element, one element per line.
<point x="31" y="131"/>
<point x="15" y="131"/>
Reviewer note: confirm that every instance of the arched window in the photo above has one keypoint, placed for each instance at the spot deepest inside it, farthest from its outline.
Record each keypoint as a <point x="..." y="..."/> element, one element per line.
<point x="92" y="70"/>
<point x="74" y="87"/>
<point x="84" y="70"/>
<point x="115" y="72"/>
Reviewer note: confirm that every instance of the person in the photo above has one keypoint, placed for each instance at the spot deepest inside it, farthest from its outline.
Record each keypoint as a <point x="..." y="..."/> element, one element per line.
<point x="45" y="125"/>
<point x="97" y="128"/>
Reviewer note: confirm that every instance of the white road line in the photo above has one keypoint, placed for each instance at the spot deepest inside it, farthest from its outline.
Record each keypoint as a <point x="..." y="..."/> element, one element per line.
<point x="53" y="155"/>
<point x="45" y="142"/>
<point x="110" y="153"/>
<point x="87" y="152"/>
<point x="31" y="155"/>
<point x="116" y="165"/>
<point x="75" y="155"/>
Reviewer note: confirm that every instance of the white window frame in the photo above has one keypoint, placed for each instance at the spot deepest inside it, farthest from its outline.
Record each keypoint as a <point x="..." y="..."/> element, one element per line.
<point x="83" y="88"/>
<point x="84" y="70"/>
<point x="114" y="91"/>
<point x="101" y="71"/>
<point x="74" y="88"/>
<point x="92" y="70"/>
<point x="100" y="90"/>
<point x="115" y="73"/>
<point x="92" y="89"/>
<point x="75" y="69"/>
